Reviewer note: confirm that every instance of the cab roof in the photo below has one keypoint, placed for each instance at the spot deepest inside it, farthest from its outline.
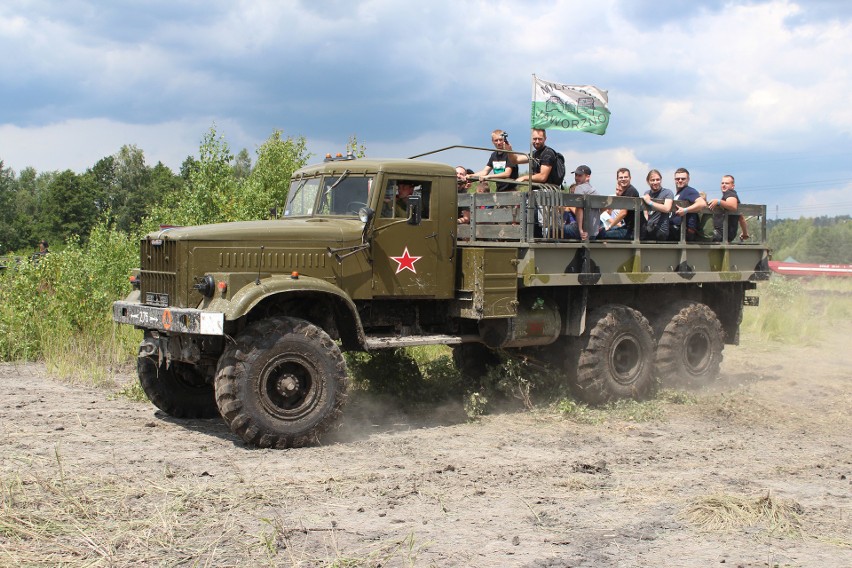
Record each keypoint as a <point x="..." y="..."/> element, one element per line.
<point x="394" y="166"/>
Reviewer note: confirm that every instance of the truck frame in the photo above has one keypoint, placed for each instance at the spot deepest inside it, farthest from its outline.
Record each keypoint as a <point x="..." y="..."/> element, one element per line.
<point x="248" y="320"/>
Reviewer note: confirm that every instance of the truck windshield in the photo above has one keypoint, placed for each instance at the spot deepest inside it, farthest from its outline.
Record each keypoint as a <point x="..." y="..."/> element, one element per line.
<point x="302" y="197"/>
<point x="340" y="195"/>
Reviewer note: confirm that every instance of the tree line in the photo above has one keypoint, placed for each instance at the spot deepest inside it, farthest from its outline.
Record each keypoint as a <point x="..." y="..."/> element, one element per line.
<point x="123" y="192"/>
<point x="814" y="240"/>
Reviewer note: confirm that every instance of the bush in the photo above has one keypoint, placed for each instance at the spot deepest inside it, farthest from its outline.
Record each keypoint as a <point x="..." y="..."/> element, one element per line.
<point x="60" y="308"/>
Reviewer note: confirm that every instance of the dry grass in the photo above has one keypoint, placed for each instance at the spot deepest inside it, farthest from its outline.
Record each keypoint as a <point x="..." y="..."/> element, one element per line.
<point x="73" y="519"/>
<point x="731" y="512"/>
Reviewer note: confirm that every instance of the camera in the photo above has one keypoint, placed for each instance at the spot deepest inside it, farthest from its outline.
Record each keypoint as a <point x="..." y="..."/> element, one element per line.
<point x="506" y="136"/>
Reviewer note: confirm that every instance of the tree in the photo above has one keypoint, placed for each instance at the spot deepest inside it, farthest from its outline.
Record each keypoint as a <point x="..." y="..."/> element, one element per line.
<point x="210" y="189"/>
<point x="29" y="225"/>
<point x="70" y="206"/>
<point x="269" y="182"/>
<point x="242" y="165"/>
<point x="8" y="193"/>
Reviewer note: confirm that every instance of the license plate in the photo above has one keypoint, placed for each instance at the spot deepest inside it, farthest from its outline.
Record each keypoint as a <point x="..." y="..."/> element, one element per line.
<point x="155" y="299"/>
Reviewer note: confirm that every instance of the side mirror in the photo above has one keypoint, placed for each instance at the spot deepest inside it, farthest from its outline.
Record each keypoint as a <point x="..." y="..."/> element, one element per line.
<point x="415" y="208"/>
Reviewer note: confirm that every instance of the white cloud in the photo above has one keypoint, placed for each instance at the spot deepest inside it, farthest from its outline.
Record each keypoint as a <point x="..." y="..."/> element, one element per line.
<point x="79" y="144"/>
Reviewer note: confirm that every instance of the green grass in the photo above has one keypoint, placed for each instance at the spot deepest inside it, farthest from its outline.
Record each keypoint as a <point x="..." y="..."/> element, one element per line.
<point x="795" y="311"/>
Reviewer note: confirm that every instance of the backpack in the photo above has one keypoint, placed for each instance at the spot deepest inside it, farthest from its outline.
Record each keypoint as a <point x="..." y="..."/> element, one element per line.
<point x="560" y="167"/>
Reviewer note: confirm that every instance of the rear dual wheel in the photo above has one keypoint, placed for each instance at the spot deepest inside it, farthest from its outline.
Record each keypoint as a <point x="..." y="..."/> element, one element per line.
<point x="616" y="356"/>
<point x="690" y="343"/>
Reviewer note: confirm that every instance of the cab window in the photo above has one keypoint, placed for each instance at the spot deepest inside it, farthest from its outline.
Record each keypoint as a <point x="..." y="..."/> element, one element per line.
<point x="397" y="191"/>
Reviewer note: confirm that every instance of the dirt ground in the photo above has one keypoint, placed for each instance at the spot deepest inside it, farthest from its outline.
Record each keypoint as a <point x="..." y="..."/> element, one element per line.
<point x="92" y="479"/>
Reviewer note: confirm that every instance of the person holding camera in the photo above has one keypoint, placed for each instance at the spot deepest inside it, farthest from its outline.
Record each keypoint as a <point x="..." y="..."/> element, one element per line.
<point x="498" y="166"/>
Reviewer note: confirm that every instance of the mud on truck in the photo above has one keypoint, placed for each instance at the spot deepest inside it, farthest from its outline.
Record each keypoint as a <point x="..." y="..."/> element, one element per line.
<point x="248" y="320"/>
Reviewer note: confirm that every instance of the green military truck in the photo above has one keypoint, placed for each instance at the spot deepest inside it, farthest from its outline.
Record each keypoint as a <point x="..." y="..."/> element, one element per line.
<point x="248" y="320"/>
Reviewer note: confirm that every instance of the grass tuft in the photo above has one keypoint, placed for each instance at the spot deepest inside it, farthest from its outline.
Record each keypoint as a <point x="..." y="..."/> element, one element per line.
<point x="729" y="512"/>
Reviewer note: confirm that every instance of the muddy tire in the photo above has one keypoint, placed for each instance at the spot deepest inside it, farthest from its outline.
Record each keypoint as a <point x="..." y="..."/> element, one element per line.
<point x="616" y="356"/>
<point x="179" y="390"/>
<point x="281" y="384"/>
<point x="689" y="345"/>
<point x="473" y="361"/>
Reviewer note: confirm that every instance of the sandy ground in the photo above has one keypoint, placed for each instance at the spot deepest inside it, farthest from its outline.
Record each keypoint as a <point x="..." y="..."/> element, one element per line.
<point x="91" y="479"/>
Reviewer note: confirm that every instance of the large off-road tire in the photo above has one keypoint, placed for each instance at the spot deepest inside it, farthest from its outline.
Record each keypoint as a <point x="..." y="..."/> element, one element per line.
<point x="179" y="390"/>
<point x="281" y="384"/>
<point x="689" y="345"/>
<point x="616" y="357"/>
<point x="473" y="361"/>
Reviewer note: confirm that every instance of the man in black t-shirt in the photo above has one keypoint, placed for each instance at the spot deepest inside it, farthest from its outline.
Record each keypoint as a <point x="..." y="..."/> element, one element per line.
<point x="542" y="162"/>
<point x="623" y="188"/>
<point x="498" y="166"/>
<point x="729" y="201"/>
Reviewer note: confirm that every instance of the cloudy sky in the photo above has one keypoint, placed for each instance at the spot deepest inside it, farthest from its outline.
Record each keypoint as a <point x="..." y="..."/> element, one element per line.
<point x="756" y="89"/>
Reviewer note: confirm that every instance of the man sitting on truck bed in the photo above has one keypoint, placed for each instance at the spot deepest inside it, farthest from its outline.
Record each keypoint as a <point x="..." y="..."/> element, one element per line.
<point x="623" y="188"/>
<point x="591" y="217"/>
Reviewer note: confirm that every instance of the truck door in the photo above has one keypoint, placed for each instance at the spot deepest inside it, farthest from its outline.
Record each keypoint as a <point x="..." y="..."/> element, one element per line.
<point x="412" y="260"/>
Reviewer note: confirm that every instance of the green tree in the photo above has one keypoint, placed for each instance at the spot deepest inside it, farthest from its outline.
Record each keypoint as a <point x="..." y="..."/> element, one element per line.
<point x="214" y="192"/>
<point x="70" y="207"/>
<point x="242" y="164"/>
<point x="269" y="182"/>
<point x="356" y="149"/>
<point x="8" y="194"/>
<point x="210" y="189"/>
<point x="29" y="223"/>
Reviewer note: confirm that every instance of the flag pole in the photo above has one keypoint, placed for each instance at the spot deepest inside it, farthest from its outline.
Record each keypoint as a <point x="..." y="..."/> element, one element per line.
<point x="532" y="106"/>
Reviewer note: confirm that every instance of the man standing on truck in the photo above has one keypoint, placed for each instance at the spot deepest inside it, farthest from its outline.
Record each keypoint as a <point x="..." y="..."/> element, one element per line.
<point x="685" y="192"/>
<point x="592" y="217"/>
<point x="542" y="162"/>
<point x="498" y="166"/>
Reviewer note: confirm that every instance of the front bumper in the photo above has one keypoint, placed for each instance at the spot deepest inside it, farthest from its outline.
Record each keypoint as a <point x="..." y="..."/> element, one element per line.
<point x="174" y="320"/>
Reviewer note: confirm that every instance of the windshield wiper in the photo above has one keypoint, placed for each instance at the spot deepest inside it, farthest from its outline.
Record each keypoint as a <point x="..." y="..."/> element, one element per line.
<point x="342" y="177"/>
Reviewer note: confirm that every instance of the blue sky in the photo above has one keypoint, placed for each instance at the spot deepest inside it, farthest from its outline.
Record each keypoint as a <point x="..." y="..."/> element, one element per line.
<point x="756" y="89"/>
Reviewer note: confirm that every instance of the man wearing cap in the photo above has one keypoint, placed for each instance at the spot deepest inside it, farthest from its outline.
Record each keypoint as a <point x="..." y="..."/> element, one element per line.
<point x="684" y="192"/>
<point x="588" y="221"/>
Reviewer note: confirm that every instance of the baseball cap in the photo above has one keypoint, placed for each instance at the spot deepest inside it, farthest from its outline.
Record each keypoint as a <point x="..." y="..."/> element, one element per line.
<point x="583" y="170"/>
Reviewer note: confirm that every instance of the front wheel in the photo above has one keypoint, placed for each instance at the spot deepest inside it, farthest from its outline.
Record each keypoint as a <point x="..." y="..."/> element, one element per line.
<point x="690" y="343"/>
<point x="281" y="384"/>
<point x="178" y="389"/>
<point x="616" y="356"/>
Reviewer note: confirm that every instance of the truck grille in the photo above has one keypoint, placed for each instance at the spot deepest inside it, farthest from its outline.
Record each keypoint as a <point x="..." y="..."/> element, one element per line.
<point x="159" y="264"/>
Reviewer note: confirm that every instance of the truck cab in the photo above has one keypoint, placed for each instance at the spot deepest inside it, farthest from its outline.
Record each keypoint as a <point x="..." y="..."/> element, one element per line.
<point x="406" y="245"/>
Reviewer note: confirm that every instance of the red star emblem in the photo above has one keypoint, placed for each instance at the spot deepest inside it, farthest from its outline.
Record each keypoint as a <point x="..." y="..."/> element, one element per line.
<point x="405" y="262"/>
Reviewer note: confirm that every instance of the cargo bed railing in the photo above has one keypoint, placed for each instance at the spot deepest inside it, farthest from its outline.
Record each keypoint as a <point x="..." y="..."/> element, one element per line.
<point x="536" y="216"/>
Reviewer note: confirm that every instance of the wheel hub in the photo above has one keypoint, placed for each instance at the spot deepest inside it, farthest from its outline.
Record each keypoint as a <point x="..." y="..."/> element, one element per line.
<point x="697" y="352"/>
<point x="287" y="385"/>
<point x="626" y="359"/>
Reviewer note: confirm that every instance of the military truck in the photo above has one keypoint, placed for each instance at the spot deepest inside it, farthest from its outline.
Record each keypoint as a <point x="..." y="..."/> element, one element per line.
<point x="248" y="320"/>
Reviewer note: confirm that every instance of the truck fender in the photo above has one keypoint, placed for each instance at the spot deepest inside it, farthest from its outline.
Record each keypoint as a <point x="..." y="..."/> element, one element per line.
<point x="249" y="296"/>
